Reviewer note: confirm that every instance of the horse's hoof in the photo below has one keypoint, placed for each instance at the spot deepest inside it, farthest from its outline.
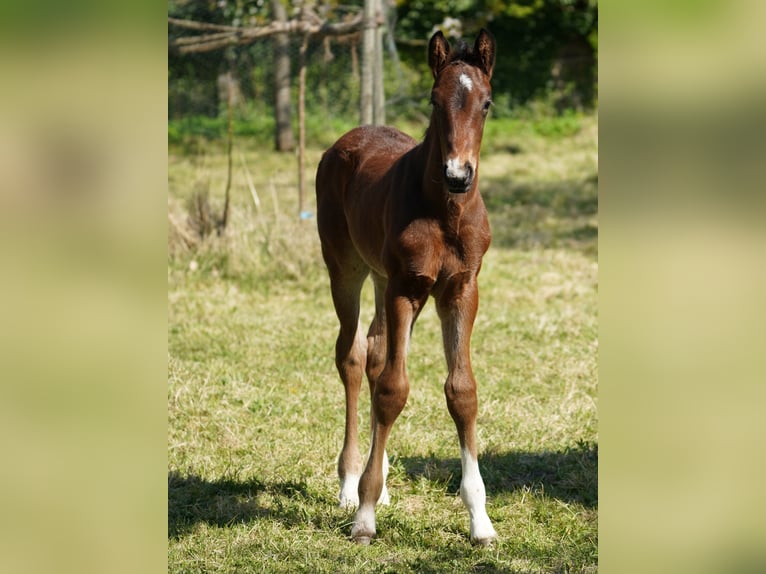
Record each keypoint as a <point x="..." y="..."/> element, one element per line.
<point x="486" y="541"/>
<point x="362" y="535"/>
<point x="362" y="540"/>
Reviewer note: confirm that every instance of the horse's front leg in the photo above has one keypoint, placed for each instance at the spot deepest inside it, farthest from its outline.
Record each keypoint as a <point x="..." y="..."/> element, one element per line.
<point x="388" y="400"/>
<point x="376" y="360"/>
<point x="457" y="306"/>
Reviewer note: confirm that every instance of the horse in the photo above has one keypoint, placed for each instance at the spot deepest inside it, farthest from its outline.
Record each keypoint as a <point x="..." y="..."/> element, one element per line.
<point x="411" y="216"/>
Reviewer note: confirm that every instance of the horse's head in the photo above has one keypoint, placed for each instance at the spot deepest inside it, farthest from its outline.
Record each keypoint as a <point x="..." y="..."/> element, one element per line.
<point x="461" y="97"/>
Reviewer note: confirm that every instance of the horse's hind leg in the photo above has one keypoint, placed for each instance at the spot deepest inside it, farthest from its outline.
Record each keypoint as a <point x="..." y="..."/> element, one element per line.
<point x="350" y="358"/>
<point x="347" y="274"/>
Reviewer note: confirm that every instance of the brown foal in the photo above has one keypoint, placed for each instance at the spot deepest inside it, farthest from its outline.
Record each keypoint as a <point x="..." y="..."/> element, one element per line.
<point x="411" y="216"/>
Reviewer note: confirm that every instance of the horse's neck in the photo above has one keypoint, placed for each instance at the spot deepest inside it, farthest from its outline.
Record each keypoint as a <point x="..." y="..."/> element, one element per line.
<point x="432" y="167"/>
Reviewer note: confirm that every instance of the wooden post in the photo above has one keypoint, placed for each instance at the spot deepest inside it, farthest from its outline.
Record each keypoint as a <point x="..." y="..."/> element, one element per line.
<point x="283" y="129"/>
<point x="379" y="98"/>
<point x="230" y="141"/>
<point x="368" y="56"/>
<point x="302" y="124"/>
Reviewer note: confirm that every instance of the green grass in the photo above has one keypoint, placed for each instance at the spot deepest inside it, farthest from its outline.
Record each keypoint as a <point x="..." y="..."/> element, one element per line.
<point x="255" y="406"/>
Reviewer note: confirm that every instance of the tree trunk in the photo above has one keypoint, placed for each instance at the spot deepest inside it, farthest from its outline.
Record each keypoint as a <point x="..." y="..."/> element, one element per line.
<point x="229" y="90"/>
<point x="368" y="58"/>
<point x="283" y="136"/>
<point x="302" y="127"/>
<point x="378" y="95"/>
<point x="372" y="102"/>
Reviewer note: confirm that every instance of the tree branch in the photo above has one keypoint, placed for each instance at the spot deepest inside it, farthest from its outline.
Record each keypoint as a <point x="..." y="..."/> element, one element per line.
<point x="188" y="40"/>
<point x="227" y="35"/>
<point x="194" y="25"/>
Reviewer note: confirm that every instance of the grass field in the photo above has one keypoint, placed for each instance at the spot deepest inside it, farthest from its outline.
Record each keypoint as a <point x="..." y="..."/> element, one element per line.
<point x="255" y="406"/>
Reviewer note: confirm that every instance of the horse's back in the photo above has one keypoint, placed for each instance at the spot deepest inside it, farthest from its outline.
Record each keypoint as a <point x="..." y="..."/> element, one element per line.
<point x="360" y="158"/>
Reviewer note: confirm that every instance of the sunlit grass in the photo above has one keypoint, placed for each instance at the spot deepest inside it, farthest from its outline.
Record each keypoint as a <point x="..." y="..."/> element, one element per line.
<point x="255" y="406"/>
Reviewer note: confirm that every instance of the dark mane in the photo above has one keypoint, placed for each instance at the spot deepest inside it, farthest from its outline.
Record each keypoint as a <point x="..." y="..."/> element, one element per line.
<point x="463" y="52"/>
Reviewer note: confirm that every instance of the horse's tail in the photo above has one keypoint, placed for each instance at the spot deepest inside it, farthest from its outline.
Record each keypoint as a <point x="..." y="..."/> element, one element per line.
<point x="334" y="170"/>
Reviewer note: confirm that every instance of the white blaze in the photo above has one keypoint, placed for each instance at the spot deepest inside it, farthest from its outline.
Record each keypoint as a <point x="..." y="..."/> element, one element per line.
<point x="466" y="82"/>
<point x="455" y="168"/>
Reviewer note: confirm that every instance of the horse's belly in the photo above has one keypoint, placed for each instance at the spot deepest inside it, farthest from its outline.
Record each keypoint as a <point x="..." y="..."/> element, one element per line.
<point x="367" y="235"/>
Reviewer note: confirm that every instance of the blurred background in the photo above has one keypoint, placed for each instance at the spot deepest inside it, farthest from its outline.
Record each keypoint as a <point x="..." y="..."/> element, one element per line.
<point x="92" y="97"/>
<point x="256" y="92"/>
<point x="547" y="59"/>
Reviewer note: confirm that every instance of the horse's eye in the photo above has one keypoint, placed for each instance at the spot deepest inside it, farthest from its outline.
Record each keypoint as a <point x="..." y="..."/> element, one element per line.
<point x="487" y="105"/>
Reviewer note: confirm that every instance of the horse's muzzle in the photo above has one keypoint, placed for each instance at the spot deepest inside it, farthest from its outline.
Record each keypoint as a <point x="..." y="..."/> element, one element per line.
<point x="458" y="179"/>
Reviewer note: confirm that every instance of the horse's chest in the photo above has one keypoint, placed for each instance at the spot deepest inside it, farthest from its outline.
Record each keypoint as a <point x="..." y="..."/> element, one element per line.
<point x="426" y="252"/>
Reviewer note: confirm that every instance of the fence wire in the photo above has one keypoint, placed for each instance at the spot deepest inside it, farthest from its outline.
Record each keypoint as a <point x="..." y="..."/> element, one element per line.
<point x="198" y="83"/>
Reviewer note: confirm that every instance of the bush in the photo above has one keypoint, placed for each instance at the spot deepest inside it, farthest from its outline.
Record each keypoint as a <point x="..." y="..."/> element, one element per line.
<point x="565" y="125"/>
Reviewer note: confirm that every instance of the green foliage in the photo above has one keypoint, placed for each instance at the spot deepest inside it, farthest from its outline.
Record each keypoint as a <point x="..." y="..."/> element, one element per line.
<point x="543" y="117"/>
<point x="257" y="126"/>
<point x="531" y="35"/>
<point x="254" y="126"/>
<point x="565" y="125"/>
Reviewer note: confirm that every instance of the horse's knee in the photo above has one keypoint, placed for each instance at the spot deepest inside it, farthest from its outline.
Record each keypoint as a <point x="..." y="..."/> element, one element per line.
<point x="376" y="358"/>
<point x="350" y="355"/>
<point x="390" y="396"/>
<point x="461" y="398"/>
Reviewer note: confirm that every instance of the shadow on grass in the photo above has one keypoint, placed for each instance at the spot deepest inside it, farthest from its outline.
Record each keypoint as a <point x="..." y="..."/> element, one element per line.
<point x="223" y="502"/>
<point x="561" y="214"/>
<point x="570" y="475"/>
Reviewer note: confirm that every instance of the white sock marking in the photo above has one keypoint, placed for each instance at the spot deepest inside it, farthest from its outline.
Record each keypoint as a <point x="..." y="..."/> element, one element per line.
<point x="384" y="498"/>
<point x="364" y="522"/>
<point x="474" y="497"/>
<point x="349" y="491"/>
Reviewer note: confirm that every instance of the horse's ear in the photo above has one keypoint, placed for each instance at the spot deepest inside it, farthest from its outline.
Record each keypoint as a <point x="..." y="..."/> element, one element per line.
<point x="484" y="48"/>
<point x="438" y="52"/>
